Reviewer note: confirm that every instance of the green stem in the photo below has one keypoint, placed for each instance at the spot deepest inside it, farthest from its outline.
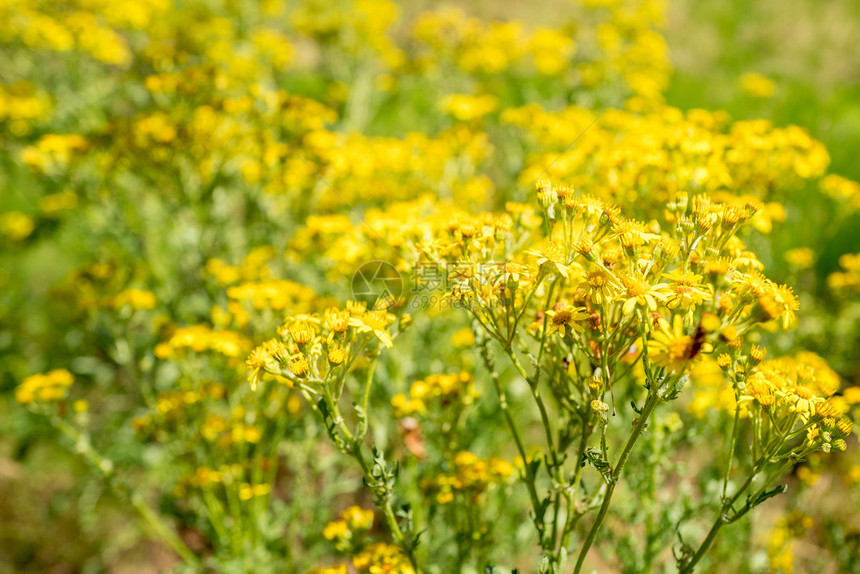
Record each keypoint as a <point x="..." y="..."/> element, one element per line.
<point x="732" y="442"/>
<point x="544" y="414"/>
<point x="105" y="468"/>
<point x="571" y="498"/>
<point x="723" y="518"/>
<point x="365" y="400"/>
<point x="529" y="478"/>
<point x="650" y="404"/>
<point x="157" y="526"/>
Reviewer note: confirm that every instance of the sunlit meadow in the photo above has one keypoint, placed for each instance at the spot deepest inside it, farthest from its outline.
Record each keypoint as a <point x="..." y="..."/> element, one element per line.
<point x="359" y="286"/>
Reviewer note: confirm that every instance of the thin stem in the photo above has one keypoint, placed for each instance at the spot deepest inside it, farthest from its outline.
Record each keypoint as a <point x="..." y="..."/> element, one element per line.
<point x="365" y="399"/>
<point x="503" y="405"/>
<point x="105" y="468"/>
<point x="337" y="419"/>
<point x="571" y="497"/>
<point x="723" y="518"/>
<point x="387" y="511"/>
<point x="650" y="404"/>
<point x="157" y="526"/>
<point x="732" y="442"/>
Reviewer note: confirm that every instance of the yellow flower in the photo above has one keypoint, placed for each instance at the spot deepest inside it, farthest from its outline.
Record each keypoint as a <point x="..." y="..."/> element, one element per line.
<point x="463" y="338"/>
<point x="135" y="298"/>
<point x="551" y="258"/>
<point x="758" y="388"/>
<point x="16" y="226"/>
<point x="336" y="529"/>
<point x="757" y="85"/>
<point x="298" y="365"/>
<point x="381" y="558"/>
<point x="302" y="332"/>
<point x="598" y="287"/>
<point x="467" y="108"/>
<point x="565" y="316"/>
<point x="801" y="258"/>
<point x="803" y="401"/>
<point x="643" y="294"/>
<point x="358" y="518"/>
<point x="686" y="290"/>
<point x="778" y="301"/>
<point x="669" y="347"/>
<point x="51" y="386"/>
<point x="337" y="320"/>
<point x="249" y="491"/>
<point x="264" y="359"/>
<point x="336" y="355"/>
<point x="375" y="322"/>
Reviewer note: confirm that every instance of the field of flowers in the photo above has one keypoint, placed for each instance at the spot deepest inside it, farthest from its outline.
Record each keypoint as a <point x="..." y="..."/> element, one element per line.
<point x="364" y="286"/>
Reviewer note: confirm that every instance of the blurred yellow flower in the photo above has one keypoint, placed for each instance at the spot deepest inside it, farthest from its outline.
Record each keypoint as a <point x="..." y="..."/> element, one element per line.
<point x="16" y="226"/>
<point x="757" y="85"/>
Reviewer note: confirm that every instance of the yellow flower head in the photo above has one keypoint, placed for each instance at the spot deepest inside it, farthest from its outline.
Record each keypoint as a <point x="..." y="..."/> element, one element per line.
<point x="669" y="347"/>
<point x="564" y="316"/>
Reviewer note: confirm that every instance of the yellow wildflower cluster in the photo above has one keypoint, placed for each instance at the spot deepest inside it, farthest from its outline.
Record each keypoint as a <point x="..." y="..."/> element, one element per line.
<point x="16" y="226"/>
<point x="254" y="267"/>
<point x="56" y="203"/>
<point x="388" y="234"/>
<point x="465" y="107"/>
<point x="377" y="169"/>
<point x="68" y="26"/>
<point x="349" y="533"/>
<point x="790" y="390"/>
<point x="780" y="546"/>
<point x="252" y="290"/>
<point x="382" y="557"/>
<point x="608" y="259"/>
<point x="202" y="338"/>
<point x="471" y="476"/>
<point x="640" y="161"/>
<point x="443" y="391"/>
<point x="348" y="530"/>
<point x="757" y="85"/>
<point x="53" y="153"/>
<point x="623" y="44"/>
<point x="846" y="281"/>
<point x="173" y="409"/>
<point x="197" y="143"/>
<point x="22" y="106"/>
<point x="794" y="382"/>
<point x="311" y="348"/>
<point x="478" y="47"/>
<point x="276" y="294"/>
<point x="134" y="298"/>
<point x="172" y="404"/>
<point x="357" y="27"/>
<point x="45" y="387"/>
<point x="842" y="189"/>
<point x="206" y="478"/>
